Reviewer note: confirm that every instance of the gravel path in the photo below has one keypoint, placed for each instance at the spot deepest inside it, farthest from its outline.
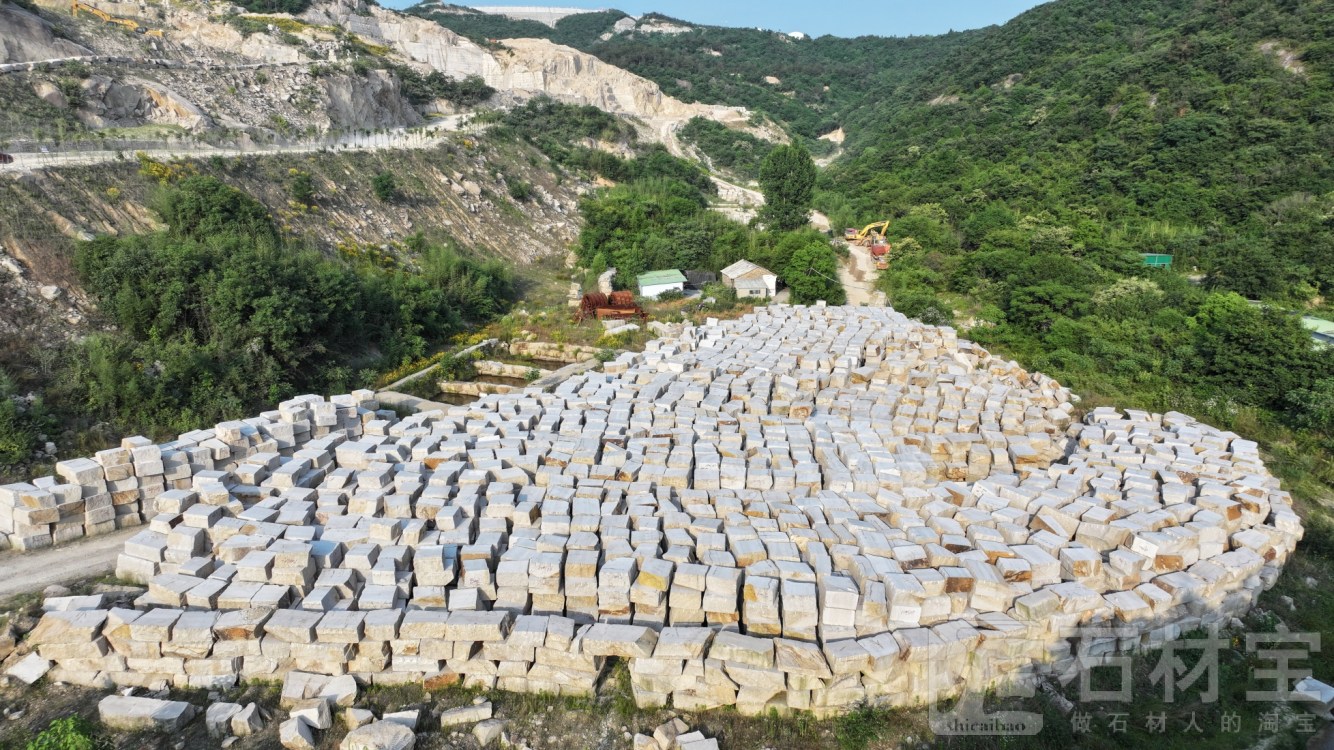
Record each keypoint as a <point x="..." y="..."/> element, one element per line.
<point x="24" y="572"/>
<point x="858" y="274"/>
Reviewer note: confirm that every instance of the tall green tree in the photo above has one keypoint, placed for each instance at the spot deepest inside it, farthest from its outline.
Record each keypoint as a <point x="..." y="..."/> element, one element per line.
<point x="787" y="177"/>
<point x="812" y="275"/>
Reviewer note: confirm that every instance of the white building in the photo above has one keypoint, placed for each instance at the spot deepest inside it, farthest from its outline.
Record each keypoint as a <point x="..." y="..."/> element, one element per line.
<point x="653" y="283"/>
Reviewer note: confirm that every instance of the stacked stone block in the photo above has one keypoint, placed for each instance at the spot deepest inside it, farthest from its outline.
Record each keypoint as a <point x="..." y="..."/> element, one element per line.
<point x="801" y="509"/>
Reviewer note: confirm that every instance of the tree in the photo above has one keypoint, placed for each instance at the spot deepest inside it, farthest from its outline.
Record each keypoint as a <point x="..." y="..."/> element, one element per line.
<point x="1260" y="352"/>
<point x="787" y="177"/>
<point x="812" y="275"/>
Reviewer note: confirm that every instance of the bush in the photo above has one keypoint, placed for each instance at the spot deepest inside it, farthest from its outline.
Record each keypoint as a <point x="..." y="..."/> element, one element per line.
<point x="424" y="89"/>
<point x="520" y="190"/>
<point x="671" y="295"/>
<point x="301" y="188"/>
<point x="456" y="368"/>
<point x="69" y="733"/>
<point x="275" y="6"/>
<point x="385" y="186"/>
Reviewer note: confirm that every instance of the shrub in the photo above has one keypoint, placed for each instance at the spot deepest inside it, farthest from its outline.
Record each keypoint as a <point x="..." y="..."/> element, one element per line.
<point x="385" y="186"/>
<point x="69" y="733"/>
<point x="301" y="188"/>
<point x="671" y="295"/>
<point x="520" y="190"/>
<point x="18" y="436"/>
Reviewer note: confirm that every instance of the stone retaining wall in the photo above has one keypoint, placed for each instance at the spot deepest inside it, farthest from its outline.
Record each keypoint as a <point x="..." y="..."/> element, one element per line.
<point x="798" y="510"/>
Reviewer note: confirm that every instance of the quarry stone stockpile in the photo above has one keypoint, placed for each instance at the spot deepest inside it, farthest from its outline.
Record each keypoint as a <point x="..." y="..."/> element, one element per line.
<point x="800" y="509"/>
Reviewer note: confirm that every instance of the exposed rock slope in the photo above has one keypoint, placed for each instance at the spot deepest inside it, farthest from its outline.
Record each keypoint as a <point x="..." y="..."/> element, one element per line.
<point x="25" y="36"/>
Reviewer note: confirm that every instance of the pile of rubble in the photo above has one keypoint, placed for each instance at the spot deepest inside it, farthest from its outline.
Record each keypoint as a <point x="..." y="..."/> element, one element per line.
<point x="804" y="508"/>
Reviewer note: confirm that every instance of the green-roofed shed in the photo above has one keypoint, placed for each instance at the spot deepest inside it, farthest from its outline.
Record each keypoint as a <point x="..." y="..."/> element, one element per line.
<point x="653" y="283"/>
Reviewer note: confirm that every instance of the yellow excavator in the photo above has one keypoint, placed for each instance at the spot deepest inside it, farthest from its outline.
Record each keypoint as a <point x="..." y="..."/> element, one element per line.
<point x="872" y="236"/>
<point x="868" y="234"/>
<point x="132" y="25"/>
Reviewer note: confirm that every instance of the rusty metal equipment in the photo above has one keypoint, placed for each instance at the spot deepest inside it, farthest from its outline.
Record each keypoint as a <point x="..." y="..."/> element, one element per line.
<point x="617" y="306"/>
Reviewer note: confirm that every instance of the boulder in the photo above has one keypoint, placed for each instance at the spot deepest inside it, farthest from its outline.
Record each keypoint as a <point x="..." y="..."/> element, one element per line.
<point x="218" y="718"/>
<point x="131" y="713"/>
<point x="465" y="715"/>
<point x="247" y="721"/>
<point x="29" y="669"/>
<point x="488" y="731"/>
<point x="382" y="735"/>
<point x="296" y="734"/>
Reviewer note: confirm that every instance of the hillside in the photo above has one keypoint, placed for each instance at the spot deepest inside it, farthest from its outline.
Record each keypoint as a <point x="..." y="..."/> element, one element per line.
<point x="314" y="196"/>
<point x="807" y="85"/>
<point x="1027" y="172"/>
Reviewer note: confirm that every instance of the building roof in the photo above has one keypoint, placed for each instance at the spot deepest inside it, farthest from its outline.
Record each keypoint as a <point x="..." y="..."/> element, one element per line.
<point x="752" y="284"/>
<point x="743" y="267"/>
<point x="654" y="278"/>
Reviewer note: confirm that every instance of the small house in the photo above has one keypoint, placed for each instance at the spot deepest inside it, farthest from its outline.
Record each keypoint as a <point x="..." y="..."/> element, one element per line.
<point x="750" y="280"/>
<point x="653" y="283"/>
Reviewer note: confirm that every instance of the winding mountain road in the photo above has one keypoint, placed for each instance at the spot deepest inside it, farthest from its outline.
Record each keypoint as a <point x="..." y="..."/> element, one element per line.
<point x="425" y="136"/>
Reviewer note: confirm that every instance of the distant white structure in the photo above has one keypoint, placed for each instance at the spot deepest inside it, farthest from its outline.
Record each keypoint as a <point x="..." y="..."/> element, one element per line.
<point x="539" y="13"/>
<point x="798" y="34"/>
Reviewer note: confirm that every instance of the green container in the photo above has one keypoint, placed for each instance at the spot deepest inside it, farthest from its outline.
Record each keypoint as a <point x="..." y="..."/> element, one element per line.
<point x="1156" y="260"/>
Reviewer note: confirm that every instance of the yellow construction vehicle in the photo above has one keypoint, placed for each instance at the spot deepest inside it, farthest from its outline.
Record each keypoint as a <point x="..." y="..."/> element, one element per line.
<point x="132" y="25"/>
<point x="868" y="234"/>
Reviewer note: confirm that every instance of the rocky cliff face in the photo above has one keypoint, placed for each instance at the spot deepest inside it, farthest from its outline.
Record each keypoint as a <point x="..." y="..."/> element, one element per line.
<point x="25" y="37"/>
<point x="197" y="97"/>
<point x="524" y="68"/>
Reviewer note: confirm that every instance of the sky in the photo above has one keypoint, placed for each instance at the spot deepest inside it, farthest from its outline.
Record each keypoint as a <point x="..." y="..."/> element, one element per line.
<point x="840" y="17"/>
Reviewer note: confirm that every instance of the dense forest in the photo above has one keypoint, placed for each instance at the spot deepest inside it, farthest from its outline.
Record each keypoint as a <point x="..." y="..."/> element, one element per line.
<point x="1081" y="135"/>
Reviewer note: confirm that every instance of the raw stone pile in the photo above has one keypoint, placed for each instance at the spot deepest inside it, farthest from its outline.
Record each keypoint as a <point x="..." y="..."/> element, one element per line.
<point x="800" y="509"/>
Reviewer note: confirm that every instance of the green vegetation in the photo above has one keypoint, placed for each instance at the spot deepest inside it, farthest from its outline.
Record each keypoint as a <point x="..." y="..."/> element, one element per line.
<point x="820" y="80"/>
<point x="569" y="134"/>
<point x="217" y="317"/>
<point x="301" y="187"/>
<point x="787" y="177"/>
<point x="69" y="733"/>
<point x="729" y="150"/>
<point x="20" y="424"/>
<point x="275" y="6"/>
<point x="1143" y="127"/>
<point x="385" y="187"/>
<point x="579" y="30"/>
<point x="424" y="89"/>
<point x="812" y="271"/>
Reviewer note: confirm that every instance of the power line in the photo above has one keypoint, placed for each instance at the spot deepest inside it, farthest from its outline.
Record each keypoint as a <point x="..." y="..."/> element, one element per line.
<point x="812" y="269"/>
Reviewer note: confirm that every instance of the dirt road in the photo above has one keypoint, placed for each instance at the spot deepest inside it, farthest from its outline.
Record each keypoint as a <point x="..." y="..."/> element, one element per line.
<point x="23" y="572"/>
<point x="858" y="274"/>
<point x="427" y="136"/>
